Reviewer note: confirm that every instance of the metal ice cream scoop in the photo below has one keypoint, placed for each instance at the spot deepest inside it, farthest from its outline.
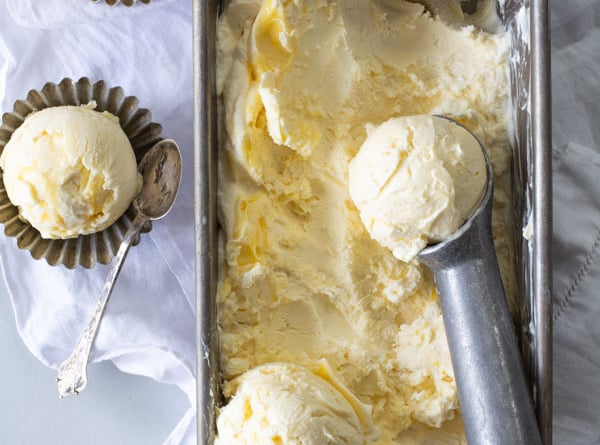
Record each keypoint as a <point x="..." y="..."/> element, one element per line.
<point x="161" y="172"/>
<point x="495" y="400"/>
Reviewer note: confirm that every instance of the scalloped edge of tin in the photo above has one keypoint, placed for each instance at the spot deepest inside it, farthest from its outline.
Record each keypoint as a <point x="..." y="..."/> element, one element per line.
<point x="125" y="2"/>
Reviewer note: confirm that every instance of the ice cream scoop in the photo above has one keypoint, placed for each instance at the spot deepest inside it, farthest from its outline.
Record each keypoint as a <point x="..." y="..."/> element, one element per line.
<point x="495" y="400"/>
<point x="161" y="172"/>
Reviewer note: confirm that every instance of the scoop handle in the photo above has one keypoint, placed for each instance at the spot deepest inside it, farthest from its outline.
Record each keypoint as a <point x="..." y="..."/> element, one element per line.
<point x="495" y="399"/>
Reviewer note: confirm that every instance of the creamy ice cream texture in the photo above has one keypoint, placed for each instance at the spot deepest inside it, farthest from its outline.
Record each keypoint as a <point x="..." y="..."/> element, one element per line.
<point x="416" y="180"/>
<point x="282" y="403"/>
<point x="70" y="170"/>
<point x="302" y="280"/>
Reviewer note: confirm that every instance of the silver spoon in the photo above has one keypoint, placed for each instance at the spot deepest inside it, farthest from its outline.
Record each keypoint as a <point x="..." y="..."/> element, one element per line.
<point x="495" y="400"/>
<point x="161" y="171"/>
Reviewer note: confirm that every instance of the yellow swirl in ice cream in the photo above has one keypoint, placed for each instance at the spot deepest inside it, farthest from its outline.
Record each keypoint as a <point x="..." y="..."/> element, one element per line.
<point x="301" y="278"/>
<point x="70" y="170"/>
<point x="416" y="180"/>
<point x="282" y="403"/>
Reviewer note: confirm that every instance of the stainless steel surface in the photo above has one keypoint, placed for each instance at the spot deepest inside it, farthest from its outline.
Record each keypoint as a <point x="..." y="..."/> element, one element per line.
<point x="541" y="291"/>
<point x="161" y="171"/>
<point x="532" y="178"/>
<point x="495" y="399"/>
<point x="527" y="23"/>
<point x="205" y="182"/>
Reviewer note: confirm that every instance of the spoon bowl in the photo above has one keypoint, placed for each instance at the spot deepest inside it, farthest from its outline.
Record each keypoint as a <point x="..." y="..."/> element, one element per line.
<point x="161" y="172"/>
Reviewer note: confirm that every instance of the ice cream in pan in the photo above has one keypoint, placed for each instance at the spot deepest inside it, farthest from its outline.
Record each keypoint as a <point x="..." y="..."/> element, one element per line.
<point x="302" y="280"/>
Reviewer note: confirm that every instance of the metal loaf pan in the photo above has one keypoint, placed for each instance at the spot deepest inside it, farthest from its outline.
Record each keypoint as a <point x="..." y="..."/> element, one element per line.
<point x="527" y="22"/>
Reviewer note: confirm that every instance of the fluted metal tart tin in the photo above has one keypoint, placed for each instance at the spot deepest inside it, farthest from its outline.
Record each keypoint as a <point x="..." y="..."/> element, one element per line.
<point x="125" y="2"/>
<point x="99" y="247"/>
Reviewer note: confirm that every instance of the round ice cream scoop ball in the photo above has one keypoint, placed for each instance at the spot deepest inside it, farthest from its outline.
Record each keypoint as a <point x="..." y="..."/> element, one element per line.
<point x="495" y="400"/>
<point x="415" y="180"/>
<point x="284" y="403"/>
<point x="70" y="170"/>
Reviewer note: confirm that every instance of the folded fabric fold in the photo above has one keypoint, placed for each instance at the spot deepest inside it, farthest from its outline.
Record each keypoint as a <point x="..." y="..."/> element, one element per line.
<point x="576" y="310"/>
<point x="149" y="325"/>
<point x="52" y="14"/>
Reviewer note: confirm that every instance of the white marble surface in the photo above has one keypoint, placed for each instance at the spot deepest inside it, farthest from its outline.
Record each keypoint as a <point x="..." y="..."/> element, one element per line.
<point x="115" y="408"/>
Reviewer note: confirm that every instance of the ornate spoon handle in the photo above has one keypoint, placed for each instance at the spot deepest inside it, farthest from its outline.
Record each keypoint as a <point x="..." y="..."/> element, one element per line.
<point x="72" y="376"/>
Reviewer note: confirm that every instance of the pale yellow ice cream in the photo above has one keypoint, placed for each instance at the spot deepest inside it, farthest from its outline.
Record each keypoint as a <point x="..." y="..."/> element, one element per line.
<point x="70" y="170"/>
<point x="301" y="278"/>
<point x="415" y="180"/>
<point x="282" y="403"/>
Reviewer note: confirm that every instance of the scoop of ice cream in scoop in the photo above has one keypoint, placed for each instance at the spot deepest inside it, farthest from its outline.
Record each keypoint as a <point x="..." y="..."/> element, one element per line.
<point x="286" y="404"/>
<point x="70" y="170"/>
<point x="415" y="181"/>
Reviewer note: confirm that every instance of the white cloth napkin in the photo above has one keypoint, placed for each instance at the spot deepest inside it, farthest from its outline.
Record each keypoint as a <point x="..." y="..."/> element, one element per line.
<point x="149" y="326"/>
<point x="575" y="34"/>
<point x="576" y="311"/>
